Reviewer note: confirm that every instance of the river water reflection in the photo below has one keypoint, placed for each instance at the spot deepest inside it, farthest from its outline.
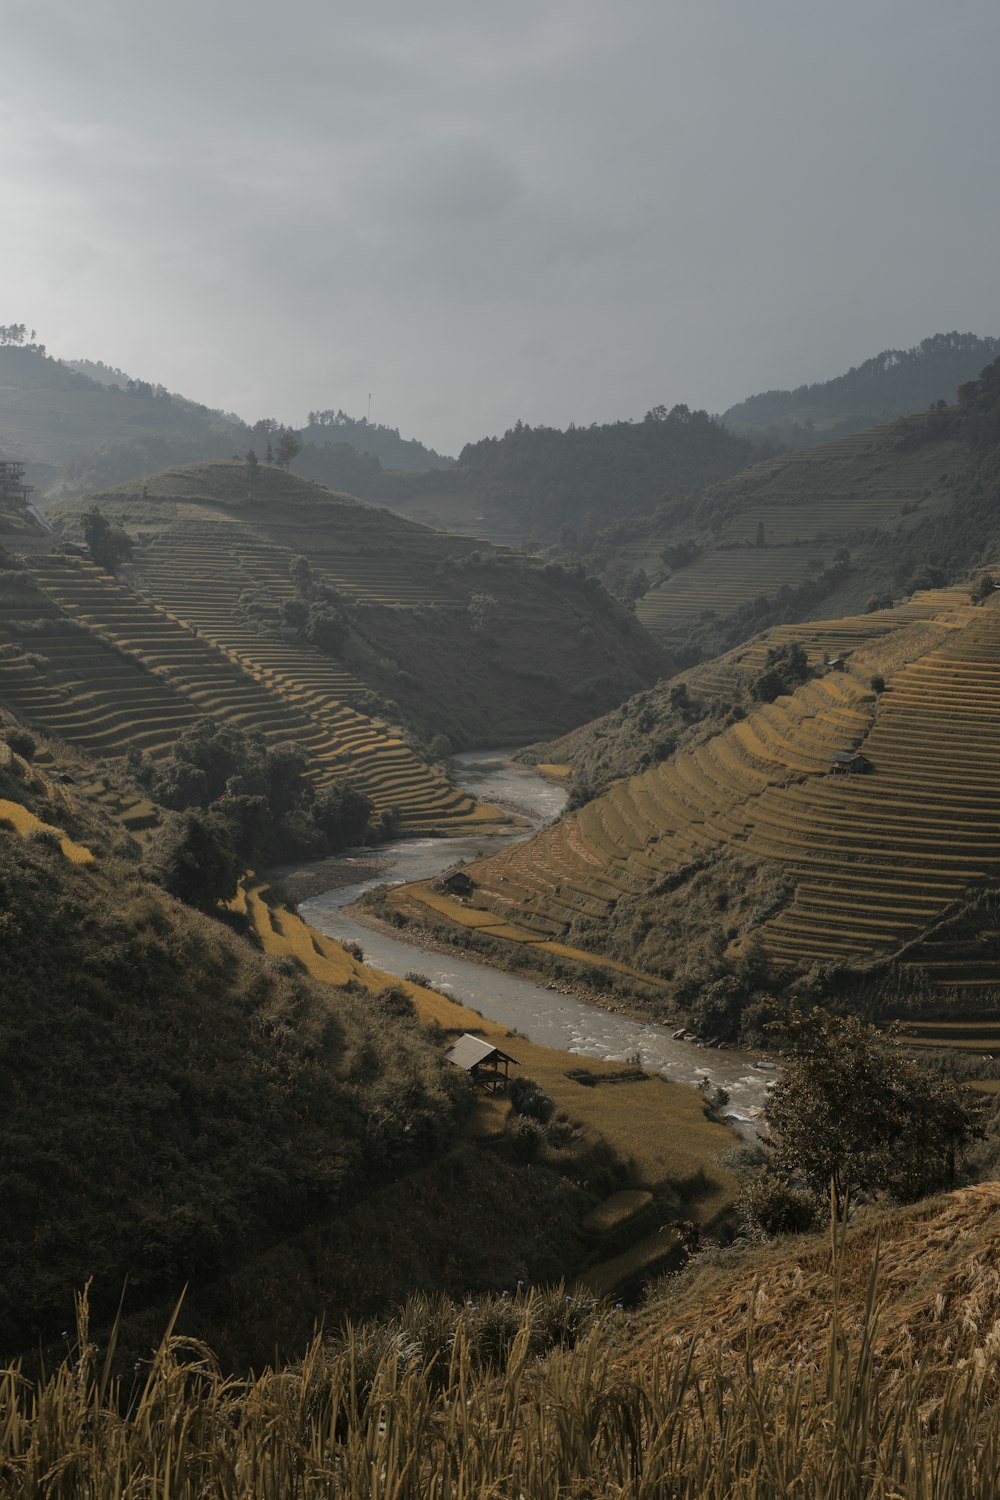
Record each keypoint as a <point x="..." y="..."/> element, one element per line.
<point x="544" y="1015"/>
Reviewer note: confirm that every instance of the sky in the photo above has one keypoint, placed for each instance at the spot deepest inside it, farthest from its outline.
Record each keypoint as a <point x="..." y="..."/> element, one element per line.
<point x="559" y="211"/>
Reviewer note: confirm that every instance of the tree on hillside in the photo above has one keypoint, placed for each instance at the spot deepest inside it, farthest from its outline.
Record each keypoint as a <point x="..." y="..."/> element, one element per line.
<point x="192" y="856"/>
<point x="850" y="1109"/>
<point x="108" y="545"/>
<point x="289" y="447"/>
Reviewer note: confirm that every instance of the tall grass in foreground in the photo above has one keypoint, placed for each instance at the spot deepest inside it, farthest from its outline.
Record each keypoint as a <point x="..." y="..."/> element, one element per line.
<point x="460" y="1403"/>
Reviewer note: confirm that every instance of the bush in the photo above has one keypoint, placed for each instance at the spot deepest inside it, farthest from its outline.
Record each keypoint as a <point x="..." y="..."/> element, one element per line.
<point x="769" y="1206"/>
<point x="529" y="1098"/>
<point x="21" y="742"/>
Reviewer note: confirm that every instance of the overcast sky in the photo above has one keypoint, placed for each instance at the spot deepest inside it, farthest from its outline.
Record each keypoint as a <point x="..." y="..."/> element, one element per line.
<point x="560" y="211"/>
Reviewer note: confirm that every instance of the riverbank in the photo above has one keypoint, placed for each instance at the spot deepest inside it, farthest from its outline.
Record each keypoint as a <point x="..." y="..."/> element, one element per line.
<point x="552" y="1011"/>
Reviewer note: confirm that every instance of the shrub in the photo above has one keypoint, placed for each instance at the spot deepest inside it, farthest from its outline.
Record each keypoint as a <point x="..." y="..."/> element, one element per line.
<point x="529" y="1098"/>
<point x="769" y="1206"/>
<point x="394" y="1001"/>
<point x="21" y="742"/>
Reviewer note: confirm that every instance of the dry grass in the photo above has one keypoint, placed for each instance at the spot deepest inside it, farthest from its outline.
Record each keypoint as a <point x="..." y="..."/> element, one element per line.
<point x="863" y="1374"/>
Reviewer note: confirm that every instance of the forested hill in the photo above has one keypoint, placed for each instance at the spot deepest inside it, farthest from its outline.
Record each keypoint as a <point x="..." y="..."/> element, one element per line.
<point x="81" y="425"/>
<point x="333" y="428"/>
<point x="549" y="479"/>
<point x="893" y="383"/>
<point x="72" y="430"/>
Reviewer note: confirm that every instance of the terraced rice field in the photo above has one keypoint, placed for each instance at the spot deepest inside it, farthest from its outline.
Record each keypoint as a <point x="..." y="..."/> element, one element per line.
<point x="719" y="582"/>
<point x="811" y="503"/>
<point x="169" y="675"/>
<point x="876" y="859"/>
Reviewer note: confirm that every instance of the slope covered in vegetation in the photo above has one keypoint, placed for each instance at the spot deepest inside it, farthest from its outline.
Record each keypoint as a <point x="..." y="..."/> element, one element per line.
<point x="892" y="384"/>
<point x="862" y="1368"/>
<point x="248" y="1108"/>
<point x="456" y="638"/>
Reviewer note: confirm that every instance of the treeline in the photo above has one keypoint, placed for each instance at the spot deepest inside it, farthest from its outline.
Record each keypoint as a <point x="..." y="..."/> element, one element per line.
<point x="334" y="428"/>
<point x="893" y="383"/>
<point x="559" y="483"/>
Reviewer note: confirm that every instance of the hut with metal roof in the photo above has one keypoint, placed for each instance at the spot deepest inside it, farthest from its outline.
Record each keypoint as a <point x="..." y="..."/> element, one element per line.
<point x="485" y="1063"/>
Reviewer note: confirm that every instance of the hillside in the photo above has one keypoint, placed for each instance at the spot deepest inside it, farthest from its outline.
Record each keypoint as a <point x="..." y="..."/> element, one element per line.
<point x="825" y="531"/>
<point x="865" y="1367"/>
<point x="452" y="637"/>
<point x="586" y="478"/>
<point x="68" y="427"/>
<point x="726" y="871"/>
<point x="172" y="1102"/>
<point x="892" y="384"/>
<point x="240" y="1105"/>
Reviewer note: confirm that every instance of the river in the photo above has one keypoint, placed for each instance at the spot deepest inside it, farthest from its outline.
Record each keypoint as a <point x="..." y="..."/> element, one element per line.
<point x="545" y="1016"/>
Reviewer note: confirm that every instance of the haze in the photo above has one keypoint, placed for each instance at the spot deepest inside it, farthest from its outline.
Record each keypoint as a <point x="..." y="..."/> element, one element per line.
<point x="560" y="212"/>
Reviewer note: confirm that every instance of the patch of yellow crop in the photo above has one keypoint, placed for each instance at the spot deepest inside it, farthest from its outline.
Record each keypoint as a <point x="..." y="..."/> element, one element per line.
<point x="656" y="1129"/>
<point x="25" y="823"/>
<point x="553" y="768"/>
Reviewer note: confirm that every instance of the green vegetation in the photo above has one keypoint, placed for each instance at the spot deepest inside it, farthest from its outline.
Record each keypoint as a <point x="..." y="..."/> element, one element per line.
<point x="228" y="1099"/>
<point x="583" y="478"/>
<point x="109" y="546"/>
<point x="892" y="384"/>
<point x="851" y="1113"/>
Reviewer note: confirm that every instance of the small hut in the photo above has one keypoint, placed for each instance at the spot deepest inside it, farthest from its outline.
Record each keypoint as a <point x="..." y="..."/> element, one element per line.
<point x="487" y="1065"/>
<point x="850" y="763"/>
<point x="457" y="883"/>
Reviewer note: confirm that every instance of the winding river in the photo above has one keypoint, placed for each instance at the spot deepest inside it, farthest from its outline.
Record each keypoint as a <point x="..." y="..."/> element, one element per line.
<point x="544" y="1015"/>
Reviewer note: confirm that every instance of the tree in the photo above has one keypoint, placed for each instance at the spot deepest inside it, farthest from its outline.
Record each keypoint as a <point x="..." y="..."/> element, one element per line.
<point x="482" y="610"/>
<point x="253" y="465"/>
<point x="849" y="1108"/>
<point x="300" y="573"/>
<point x="289" y="446"/>
<point x="108" y="545"/>
<point x="193" y="857"/>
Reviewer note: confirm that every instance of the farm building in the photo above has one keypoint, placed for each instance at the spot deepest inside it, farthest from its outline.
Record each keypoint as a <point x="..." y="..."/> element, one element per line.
<point x="12" y="485"/>
<point x="487" y="1064"/>
<point x="850" y="762"/>
<point x="457" y="883"/>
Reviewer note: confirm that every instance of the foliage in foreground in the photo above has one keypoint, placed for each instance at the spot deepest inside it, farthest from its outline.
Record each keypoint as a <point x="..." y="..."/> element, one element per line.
<point x="426" y="1406"/>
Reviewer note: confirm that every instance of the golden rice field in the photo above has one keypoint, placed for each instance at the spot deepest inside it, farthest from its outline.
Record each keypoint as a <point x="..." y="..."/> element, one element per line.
<point x="658" y="1132"/>
<point x="875" y="859"/>
<point x="137" y="675"/>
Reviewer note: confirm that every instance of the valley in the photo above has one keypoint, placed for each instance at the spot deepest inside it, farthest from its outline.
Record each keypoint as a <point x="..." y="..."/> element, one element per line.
<point x="266" y="857"/>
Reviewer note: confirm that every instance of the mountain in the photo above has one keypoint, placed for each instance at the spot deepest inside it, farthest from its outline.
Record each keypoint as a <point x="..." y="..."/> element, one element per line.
<point x="82" y="425"/>
<point x="892" y="384"/>
<point x="585" y="478"/>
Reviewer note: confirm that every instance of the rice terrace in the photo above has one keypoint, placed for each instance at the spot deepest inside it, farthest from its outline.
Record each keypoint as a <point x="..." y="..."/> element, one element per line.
<point x="683" y="741"/>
